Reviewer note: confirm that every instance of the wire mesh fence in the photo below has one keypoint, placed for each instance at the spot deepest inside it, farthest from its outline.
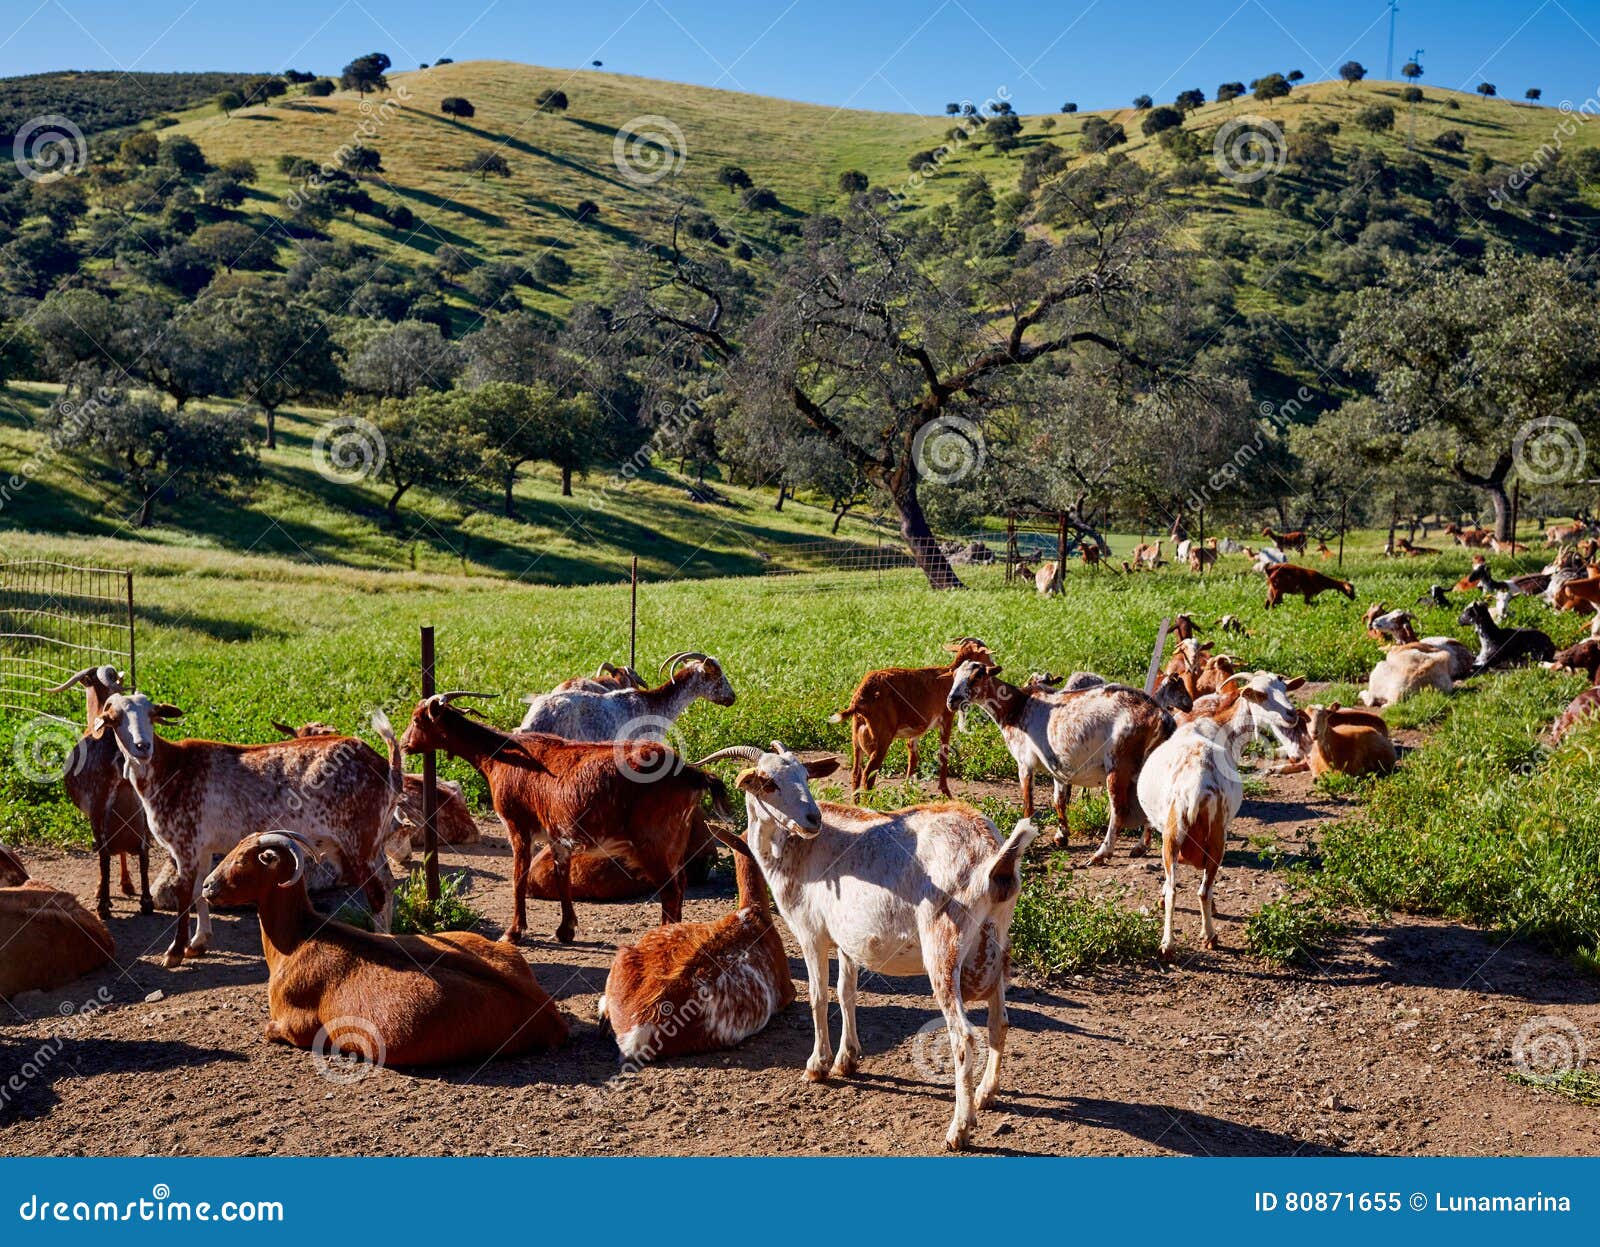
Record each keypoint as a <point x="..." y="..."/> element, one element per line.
<point x="55" y="619"/>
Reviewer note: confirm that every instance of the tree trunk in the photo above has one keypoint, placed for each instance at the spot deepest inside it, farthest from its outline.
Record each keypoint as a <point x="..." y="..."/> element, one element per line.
<point x="272" y="427"/>
<point x="566" y="482"/>
<point x="920" y="542"/>
<point x="1493" y="483"/>
<point x="394" y="505"/>
<point x="778" y="505"/>
<point x="511" y="506"/>
<point x="146" y="508"/>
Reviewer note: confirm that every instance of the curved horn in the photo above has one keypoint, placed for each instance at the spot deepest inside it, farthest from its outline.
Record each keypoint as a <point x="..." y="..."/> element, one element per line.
<point x="682" y="656"/>
<point x="80" y="677"/>
<point x="745" y="753"/>
<point x="297" y="844"/>
<point x="605" y="669"/>
<point x="444" y="699"/>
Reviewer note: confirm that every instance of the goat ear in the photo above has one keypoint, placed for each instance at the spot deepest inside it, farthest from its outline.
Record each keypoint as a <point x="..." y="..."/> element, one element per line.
<point x="821" y="767"/>
<point x="992" y="670"/>
<point x="1332" y="707"/>
<point x="1252" y="694"/>
<point x="1295" y="683"/>
<point x="282" y="729"/>
<point x="164" y="712"/>
<point x="104" y="720"/>
<point x="752" y="780"/>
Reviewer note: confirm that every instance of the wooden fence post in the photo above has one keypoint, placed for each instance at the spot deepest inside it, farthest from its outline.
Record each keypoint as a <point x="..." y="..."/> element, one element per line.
<point x="430" y="777"/>
<point x="633" y="613"/>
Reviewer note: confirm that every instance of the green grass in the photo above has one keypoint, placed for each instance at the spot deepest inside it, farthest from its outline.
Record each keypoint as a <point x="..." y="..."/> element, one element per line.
<point x="415" y="914"/>
<point x="1059" y="928"/>
<point x="1292" y="929"/>
<point x="1578" y="1085"/>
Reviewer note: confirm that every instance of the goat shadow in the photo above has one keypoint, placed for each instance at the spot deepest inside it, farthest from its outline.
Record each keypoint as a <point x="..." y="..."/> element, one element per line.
<point x="38" y="1073"/>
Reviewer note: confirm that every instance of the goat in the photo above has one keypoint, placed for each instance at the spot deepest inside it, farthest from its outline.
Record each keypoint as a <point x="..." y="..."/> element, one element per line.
<point x="1202" y="558"/>
<point x="1584" y="706"/>
<point x="1504" y="647"/>
<point x="1435" y="596"/>
<point x="643" y="714"/>
<point x="597" y="877"/>
<point x="442" y="999"/>
<point x="48" y="937"/>
<point x="1087" y="738"/>
<point x="1384" y="624"/>
<point x="700" y="986"/>
<point x="1295" y="540"/>
<point x="1190" y="788"/>
<point x="1583" y="656"/>
<point x="1405" y="670"/>
<point x="1090" y="554"/>
<point x="622" y="797"/>
<point x="1518" y="586"/>
<point x="202" y="797"/>
<point x="96" y="785"/>
<point x="1147" y="554"/>
<point x="1562" y="534"/>
<point x="1507" y="547"/>
<point x="453" y="821"/>
<point x="1289" y="578"/>
<point x="1410" y="551"/>
<point x="907" y="703"/>
<point x="1472" y="538"/>
<point x="609" y="676"/>
<point x="1266" y="560"/>
<point x="1581" y="596"/>
<point x="1232" y="625"/>
<point x="1048" y="579"/>
<point x="1348" y="742"/>
<point x="929" y="889"/>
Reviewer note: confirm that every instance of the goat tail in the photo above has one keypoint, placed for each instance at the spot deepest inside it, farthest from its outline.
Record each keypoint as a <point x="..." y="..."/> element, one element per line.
<point x="1004" y="868"/>
<point x="721" y="805"/>
<point x="397" y="761"/>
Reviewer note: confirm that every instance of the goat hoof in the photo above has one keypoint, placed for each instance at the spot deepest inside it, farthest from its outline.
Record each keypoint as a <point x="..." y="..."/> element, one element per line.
<point x="1099" y="857"/>
<point x="104" y="911"/>
<point x="816" y="1073"/>
<point x="1138" y="850"/>
<point x="844" y="1066"/>
<point x="173" y="959"/>
<point x="1213" y="943"/>
<point x="1165" y="954"/>
<point x="147" y="906"/>
<point x="195" y="950"/>
<point x="956" y="1140"/>
<point x="511" y="938"/>
<point x="1059" y="840"/>
<point x="564" y="935"/>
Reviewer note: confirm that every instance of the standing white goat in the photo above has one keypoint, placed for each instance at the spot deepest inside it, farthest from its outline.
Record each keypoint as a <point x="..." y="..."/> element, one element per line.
<point x="925" y="890"/>
<point x="1190" y="786"/>
<point x="631" y="713"/>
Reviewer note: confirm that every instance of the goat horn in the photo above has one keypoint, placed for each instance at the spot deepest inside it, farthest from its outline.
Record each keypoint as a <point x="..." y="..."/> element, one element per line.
<point x="297" y="844"/>
<point x="81" y="677"/>
<point x="745" y="753"/>
<point x="605" y="668"/>
<point x="682" y="656"/>
<point x="444" y="699"/>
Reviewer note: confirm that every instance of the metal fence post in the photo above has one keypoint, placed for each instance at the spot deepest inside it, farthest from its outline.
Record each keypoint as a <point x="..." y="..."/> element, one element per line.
<point x="430" y="778"/>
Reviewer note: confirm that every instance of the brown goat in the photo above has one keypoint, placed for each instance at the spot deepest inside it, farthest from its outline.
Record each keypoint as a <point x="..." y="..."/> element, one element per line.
<point x="96" y="785"/>
<point x="453" y="821"/>
<point x="700" y="986"/>
<point x="1348" y="742"/>
<point x="391" y="999"/>
<point x="1584" y="706"/>
<point x="1287" y="579"/>
<point x="907" y="703"/>
<point x="47" y="936"/>
<point x="633" y="798"/>
<point x="1583" y="656"/>
<point x="1295" y="540"/>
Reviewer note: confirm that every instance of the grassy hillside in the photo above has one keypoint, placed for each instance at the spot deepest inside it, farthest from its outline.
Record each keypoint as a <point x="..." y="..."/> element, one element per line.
<point x="295" y="513"/>
<point x="798" y="150"/>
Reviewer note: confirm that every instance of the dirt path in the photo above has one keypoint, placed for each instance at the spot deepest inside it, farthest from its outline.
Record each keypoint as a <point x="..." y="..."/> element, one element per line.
<point x="1399" y="1042"/>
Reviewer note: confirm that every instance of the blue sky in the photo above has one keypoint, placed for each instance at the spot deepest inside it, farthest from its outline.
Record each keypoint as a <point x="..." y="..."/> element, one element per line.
<point x="904" y="55"/>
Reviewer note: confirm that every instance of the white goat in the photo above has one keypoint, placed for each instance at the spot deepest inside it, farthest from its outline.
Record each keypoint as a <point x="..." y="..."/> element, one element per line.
<point x="631" y="713"/>
<point x="1190" y="787"/>
<point x="1405" y="669"/>
<point x="925" y="890"/>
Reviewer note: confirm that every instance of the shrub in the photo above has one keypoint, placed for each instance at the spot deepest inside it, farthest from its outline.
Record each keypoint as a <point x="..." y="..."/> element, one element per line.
<point x="1159" y="119"/>
<point x="1451" y="141"/>
<point x="415" y="914"/>
<point x="457" y="106"/>
<point x="1059" y="930"/>
<point x="322" y="86"/>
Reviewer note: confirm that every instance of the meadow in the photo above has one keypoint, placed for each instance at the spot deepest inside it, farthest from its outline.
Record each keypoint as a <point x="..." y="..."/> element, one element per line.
<point x="1482" y="824"/>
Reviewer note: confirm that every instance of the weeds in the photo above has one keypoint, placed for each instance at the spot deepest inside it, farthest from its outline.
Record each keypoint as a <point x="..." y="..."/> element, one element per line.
<point x="1059" y="930"/>
<point x="415" y="914"/>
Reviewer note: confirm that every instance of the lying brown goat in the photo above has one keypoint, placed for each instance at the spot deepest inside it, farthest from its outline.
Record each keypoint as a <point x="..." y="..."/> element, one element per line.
<point x="391" y="999"/>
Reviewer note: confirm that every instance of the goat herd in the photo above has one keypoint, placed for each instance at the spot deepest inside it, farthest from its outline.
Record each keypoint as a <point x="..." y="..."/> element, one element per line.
<point x="598" y="806"/>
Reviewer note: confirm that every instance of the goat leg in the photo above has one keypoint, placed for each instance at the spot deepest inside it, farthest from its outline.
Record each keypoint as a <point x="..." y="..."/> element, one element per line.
<point x="102" y="902"/>
<point x="945" y="725"/>
<point x="147" y="904"/>
<point x="126" y="881"/>
<point x="562" y="858"/>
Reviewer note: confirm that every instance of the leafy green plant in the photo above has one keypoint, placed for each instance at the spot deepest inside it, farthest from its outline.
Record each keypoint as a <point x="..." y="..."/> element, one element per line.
<point x="415" y="914"/>
<point x="1058" y="929"/>
<point x="1291" y="929"/>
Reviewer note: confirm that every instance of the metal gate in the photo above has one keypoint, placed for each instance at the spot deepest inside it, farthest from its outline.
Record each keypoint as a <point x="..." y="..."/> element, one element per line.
<point x="55" y="619"/>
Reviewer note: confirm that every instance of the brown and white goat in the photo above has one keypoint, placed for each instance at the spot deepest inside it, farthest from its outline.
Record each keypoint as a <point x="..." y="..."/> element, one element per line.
<point x="608" y="676"/>
<point x="95" y="783"/>
<point x="1086" y="738"/>
<point x="1190" y="788"/>
<point x="453" y="821"/>
<point x="390" y="999"/>
<point x="1404" y="671"/>
<point x="48" y="938"/>
<point x="904" y="703"/>
<point x="1582" y="656"/>
<point x="201" y="797"/>
<point x="700" y="986"/>
<point x="925" y="890"/>
<point x="624" y="797"/>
